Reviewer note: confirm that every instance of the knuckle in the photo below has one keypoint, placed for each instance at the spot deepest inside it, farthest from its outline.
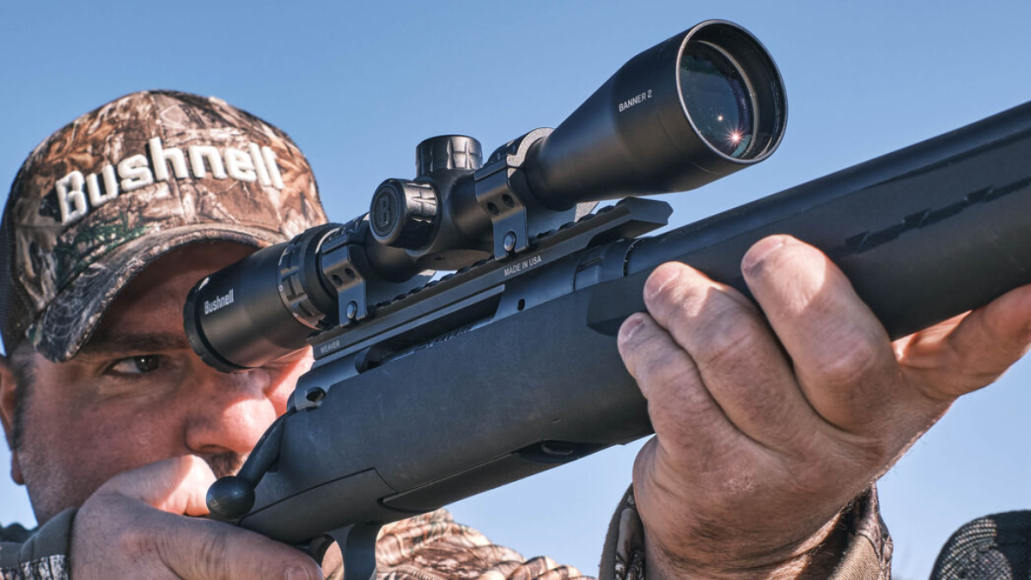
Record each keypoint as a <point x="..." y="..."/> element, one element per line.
<point x="243" y="554"/>
<point x="954" y="378"/>
<point x="663" y="369"/>
<point x="838" y="463"/>
<point x="135" y="541"/>
<point x="871" y="454"/>
<point x="214" y="555"/>
<point x="809" y="480"/>
<point x="726" y="346"/>
<point x="730" y="333"/>
<point x="638" y="354"/>
<point x="857" y="362"/>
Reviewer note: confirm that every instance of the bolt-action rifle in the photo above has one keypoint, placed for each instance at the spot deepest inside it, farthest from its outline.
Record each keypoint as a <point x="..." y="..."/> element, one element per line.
<point x="427" y="390"/>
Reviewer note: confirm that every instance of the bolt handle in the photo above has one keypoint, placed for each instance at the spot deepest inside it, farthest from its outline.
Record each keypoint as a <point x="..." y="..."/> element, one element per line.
<point x="230" y="498"/>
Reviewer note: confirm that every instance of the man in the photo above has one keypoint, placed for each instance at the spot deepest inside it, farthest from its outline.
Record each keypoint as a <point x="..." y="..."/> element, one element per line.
<point x="771" y="425"/>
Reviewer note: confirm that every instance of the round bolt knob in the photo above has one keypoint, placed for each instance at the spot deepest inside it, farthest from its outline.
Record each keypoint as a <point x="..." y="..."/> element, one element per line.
<point x="403" y="213"/>
<point x="230" y="498"/>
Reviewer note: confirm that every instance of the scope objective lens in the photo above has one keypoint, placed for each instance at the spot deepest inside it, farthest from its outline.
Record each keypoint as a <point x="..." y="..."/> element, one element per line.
<point x="718" y="98"/>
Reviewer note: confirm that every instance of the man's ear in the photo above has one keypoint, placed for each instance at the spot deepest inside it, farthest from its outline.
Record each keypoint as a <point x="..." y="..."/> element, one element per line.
<point x="8" y="408"/>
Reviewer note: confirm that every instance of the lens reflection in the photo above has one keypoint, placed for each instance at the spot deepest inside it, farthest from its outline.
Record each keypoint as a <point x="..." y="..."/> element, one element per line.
<point x="717" y="98"/>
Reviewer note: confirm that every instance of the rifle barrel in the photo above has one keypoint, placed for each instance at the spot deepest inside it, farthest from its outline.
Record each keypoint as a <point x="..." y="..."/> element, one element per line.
<point x="923" y="233"/>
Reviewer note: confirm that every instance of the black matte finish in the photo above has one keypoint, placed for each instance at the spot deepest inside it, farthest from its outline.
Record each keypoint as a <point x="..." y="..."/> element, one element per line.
<point x="925" y="233"/>
<point x="437" y="391"/>
<point x="447" y="152"/>
<point x="403" y="214"/>
<point x="507" y="399"/>
<point x="634" y="135"/>
<point x="224" y="310"/>
<point x="268" y="304"/>
<point x="230" y="498"/>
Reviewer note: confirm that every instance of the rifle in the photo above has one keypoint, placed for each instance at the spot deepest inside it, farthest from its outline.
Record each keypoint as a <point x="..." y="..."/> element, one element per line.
<point x="367" y="441"/>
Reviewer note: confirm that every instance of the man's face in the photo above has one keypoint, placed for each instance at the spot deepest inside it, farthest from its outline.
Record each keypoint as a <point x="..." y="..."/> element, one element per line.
<point x="136" y="393"/>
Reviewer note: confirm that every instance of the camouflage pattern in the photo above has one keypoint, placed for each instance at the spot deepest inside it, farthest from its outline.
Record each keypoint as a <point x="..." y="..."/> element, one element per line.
<point x="426" y="547"/>
<point x="49" y="568"/>
<point x="628" y="561"/>
<point x="434" y="547"/>
<point x="56" y="279"/>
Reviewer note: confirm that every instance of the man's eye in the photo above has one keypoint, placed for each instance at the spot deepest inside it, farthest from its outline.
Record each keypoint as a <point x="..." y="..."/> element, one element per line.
<point x="137" y="365"/>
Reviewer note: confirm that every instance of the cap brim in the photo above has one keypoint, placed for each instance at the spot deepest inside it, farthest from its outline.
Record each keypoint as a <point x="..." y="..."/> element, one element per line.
<point x="70" y="319"/>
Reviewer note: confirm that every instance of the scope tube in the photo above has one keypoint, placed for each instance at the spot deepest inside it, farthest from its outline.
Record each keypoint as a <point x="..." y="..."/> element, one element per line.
<point x="697" y="107"/>
<point x="262" y="307"/>
<point x="703" y="104"/>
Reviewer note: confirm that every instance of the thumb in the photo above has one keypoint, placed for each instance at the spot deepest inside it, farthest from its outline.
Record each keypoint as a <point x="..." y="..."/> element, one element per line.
<point x="970" y="351"/>
<point x="178" y="485"/>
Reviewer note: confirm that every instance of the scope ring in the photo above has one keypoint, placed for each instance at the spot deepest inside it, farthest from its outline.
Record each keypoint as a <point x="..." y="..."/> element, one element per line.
<point x="302" y="294"/>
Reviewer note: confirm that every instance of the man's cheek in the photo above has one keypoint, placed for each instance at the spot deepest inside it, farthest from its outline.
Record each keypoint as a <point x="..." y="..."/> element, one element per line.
<point x="281" y="384"/>
<point x="116" y="440"/>
<point x="279" y="397"/>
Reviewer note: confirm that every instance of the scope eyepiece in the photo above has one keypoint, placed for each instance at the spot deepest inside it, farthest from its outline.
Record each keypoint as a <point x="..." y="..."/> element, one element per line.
<point x="262" y="307"/>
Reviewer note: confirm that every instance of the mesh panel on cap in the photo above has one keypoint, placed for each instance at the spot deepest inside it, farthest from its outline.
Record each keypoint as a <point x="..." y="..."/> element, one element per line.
<point x="15" y="309"/>
<point x="994" y="547"/>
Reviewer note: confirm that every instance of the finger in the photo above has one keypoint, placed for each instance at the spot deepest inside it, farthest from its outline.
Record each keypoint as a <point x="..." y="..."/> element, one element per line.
<point x="969" y="351"/>
<point x="119" y="529"/>
<point x="177" y="485"/>
<point x="209" y="550"/>
<point x="738" y="358"/>
<point x="842" y="356"/>
<point x="684" y="415"/>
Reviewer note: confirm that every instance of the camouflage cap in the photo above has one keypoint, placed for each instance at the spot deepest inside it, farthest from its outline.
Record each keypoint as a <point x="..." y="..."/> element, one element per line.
<point x="120" y="186"/>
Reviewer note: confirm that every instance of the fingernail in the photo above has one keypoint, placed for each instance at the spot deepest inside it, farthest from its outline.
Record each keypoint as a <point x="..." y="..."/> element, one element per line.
<point x="658" y="280"/>
<point x="629" y="328"/>
<point x="755" y="256"/>
<point x="297" y="574"/>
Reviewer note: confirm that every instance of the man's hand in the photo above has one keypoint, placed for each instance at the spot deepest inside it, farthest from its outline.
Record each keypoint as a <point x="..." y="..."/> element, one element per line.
<point x="768" y="423"/>
<point x="133" y="527"/>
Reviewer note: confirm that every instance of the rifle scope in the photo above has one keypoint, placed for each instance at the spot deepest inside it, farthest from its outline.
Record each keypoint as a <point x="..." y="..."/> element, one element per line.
<point x="703" y="104"/>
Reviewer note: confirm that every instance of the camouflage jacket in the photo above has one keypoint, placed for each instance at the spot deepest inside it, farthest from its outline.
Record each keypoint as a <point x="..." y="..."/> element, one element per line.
<point x="434" y="547"/>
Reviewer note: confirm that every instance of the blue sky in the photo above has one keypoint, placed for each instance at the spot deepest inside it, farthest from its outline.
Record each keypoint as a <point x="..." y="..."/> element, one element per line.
<point x="359" y="85"/>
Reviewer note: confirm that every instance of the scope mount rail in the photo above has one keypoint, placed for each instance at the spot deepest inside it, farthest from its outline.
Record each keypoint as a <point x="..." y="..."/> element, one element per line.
<point x="427" y="311"/>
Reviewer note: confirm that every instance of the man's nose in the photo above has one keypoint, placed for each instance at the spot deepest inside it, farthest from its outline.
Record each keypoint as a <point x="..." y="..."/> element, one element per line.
<point x="230" y="412"/>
